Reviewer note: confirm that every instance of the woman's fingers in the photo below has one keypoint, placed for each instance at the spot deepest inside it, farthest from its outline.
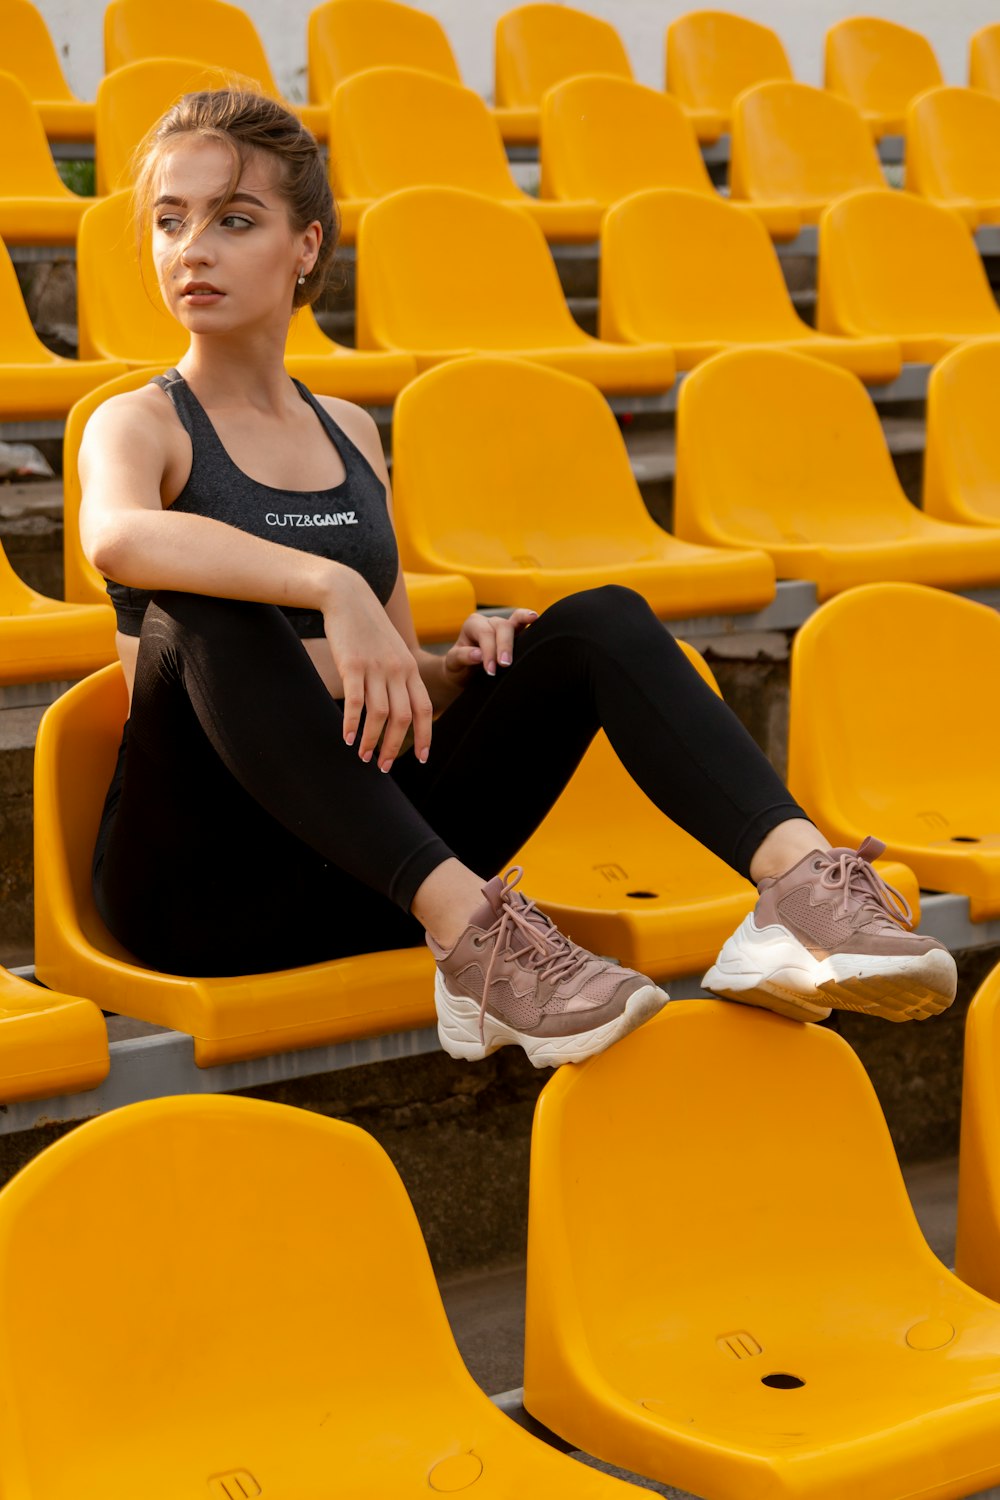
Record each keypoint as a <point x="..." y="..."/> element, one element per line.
<point x="354" y="701"/>
<point x="376" y="713"/>
<point x="423" y="716"/>
<point x="397" y="723"/>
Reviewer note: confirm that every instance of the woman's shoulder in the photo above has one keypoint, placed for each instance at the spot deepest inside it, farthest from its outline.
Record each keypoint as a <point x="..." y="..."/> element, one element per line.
<point x="143" y="411"/>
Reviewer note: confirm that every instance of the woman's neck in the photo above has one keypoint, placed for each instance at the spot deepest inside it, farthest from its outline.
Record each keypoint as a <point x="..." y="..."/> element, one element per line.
<point x="238" y="371"/>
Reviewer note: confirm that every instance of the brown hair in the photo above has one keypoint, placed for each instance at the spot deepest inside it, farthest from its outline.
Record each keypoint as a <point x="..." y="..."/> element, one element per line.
<point x="244" y="121"/>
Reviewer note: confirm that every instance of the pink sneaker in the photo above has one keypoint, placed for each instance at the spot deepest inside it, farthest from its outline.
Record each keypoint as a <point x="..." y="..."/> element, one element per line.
<point x="514" y="977"/>
<point x="831" y="933"/>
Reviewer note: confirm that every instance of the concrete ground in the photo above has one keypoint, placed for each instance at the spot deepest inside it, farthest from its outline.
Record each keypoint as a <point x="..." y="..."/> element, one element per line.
<point x="487" y="1309"/>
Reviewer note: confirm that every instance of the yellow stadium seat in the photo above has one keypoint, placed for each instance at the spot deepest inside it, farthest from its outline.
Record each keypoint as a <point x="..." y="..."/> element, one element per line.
<point x="962" y="458"/>
<point x="275" y="1327"/>
<point x="702" y="275"/>
<point x="540" y="454"/>
<point x="977" y="1246"/>
<point x="806" y="474"/>
<point x="984" y="59"/>
<point x="445" y="272"/>
<point x="620" y="877"/>
<point x="538" y="46"/>
<point x="348" y="36"/>
<point x="865" y="669"/>
<point x="132" y="98"/>
<point x="249" y="1015"/>
<point x="891" y="264"/>
<point x="46" y="640"/>
<point x="440" y="602"/>
<point x="207" y="31"/>
<point x="35" y="383"/>
<point x="711" y="57"/>
<point x="120" y="310"/>
<point x="880" y="66"/>
<point x="49" y="1044"/>
<point x="400" y="127"/>
<point x="603" y="138"/>
<point x="30" y="54"/>
<point x="953" y="152"/>
<point x="36" y="207"/>
<point x="728" y="1290"/>
<point x="799" y="146"/>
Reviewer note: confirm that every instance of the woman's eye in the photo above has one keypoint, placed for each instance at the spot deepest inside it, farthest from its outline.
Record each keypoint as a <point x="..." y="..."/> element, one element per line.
<point x="236" y="221"/>
<point x="168" y="223"/>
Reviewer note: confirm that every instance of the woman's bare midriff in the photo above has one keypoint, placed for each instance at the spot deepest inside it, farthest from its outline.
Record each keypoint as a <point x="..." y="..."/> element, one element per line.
<point x="317" y="650"/>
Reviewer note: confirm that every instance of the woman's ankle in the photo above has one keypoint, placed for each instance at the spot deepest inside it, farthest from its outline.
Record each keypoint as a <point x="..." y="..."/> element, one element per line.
<point x="446" y="900"/>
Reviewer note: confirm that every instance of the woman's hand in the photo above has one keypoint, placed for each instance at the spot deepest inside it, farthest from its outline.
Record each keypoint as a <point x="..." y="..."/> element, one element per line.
<point x="378" y="671"/>
<point x="485" y="641"/>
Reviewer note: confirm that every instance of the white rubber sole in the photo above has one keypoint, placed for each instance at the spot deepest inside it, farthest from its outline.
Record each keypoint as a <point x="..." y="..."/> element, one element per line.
<point x="458" y="1029"/>
<point x="770" y="967"/>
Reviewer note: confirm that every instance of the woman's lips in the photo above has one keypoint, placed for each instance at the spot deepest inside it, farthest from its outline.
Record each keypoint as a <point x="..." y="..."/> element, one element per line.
<point x="201" y="293"/>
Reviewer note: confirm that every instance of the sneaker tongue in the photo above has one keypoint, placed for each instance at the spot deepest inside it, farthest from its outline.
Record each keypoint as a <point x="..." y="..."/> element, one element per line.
<point x="869" y="849"/>
<point x="485" y="915"/>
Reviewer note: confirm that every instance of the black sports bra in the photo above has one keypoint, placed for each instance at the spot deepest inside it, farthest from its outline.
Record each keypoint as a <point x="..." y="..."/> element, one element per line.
<point x="349" y="523"/>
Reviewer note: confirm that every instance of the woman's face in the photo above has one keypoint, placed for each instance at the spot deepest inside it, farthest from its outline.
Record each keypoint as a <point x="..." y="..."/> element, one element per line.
<point x="240" y="272"/>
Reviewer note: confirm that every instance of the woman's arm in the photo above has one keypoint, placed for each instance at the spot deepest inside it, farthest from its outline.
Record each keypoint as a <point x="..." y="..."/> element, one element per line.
<point x="128" y="535"/>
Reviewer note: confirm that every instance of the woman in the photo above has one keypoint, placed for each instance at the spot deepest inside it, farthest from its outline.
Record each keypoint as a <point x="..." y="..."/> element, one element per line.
<point x="265" y="812"/>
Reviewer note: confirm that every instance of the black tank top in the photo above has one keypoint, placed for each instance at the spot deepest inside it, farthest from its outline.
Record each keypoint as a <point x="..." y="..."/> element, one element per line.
<point x="349" y="524"/>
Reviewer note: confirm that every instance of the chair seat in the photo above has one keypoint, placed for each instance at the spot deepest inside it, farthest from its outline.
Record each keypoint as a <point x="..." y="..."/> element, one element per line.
<point x="68" y="119"/>
<point x="614" y="368"/>
<point x="708" y="124"/>
<point x="315" y="117"/>
<point x="676" y="578"/>
<point x="927" y="346"/>
<point x="440" y="602"/>
<point x="54" y="642"/>
<point x="372" y="377"/>
<point x="49" y="1043"/>
<point x="874" y="360"/>
<point x="575" y="223"/>
<point x="519" y="124"/>
<point x="50" y="388"/>
<point x="41" y="221"/>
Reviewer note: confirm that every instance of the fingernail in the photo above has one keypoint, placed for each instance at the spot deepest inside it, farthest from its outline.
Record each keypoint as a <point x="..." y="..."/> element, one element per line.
<point x="349" y="739"/>
<point x="475" y="654"/>
<point x="491" y="669"/>
<point x="505" y="659"/>
<point x="367" y="756"/>
<point x="385" y="766"/>
<point x="422" y="757"/>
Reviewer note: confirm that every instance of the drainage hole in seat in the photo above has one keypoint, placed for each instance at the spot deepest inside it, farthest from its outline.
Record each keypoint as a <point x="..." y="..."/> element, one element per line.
<point x="964" y="838"/>
<point x="641" y="895"/>
<point x="780" y="1382"/>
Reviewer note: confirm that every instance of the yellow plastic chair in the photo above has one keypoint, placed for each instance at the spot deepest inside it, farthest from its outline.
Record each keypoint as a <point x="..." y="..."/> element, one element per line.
<point x="132" y="98"/>
<point x="711" y="57"/>
<point x="984" y="59"/>
<point x="29" y="52"/>
<point x="35" y="383"/>
<point x="894" y="265"/>
<point x="880" y="66"/>
<point x="759" y="1313"/>
<point x="962" y="457"/>
<point x="49" y="1044"/>
<point x="952" y="152"/>
<point x="445" y="272"/>
<point x="702" y="275"/>
<point x="249" y="1015"/>
<point x="348" y="36"/>
<point x="864" y="669"/>
<point x="977" y="1245"/>
<point x="538" y="46"/>
<point x="121" y="315"/>
<point x="620" y="877"/>
<point x="400" y="127"/>
<point x="603" y="138"/>
<point x="805" y="473"/>
<point x="291" y="1342"/>
<point x="440" y="602"/>
<point x="207" y="31"/>
<point x="800" y="146"/>
<point x="517" y="477"/>
<point x="36" y="207"/>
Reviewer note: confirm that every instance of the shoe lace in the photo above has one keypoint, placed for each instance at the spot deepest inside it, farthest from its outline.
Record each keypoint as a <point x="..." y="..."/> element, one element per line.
<point x="526" y="935"/>
<point x="853" y="874"/>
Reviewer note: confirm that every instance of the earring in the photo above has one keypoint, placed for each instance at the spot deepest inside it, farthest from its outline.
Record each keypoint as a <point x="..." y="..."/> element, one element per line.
<point x="302" y="277"/>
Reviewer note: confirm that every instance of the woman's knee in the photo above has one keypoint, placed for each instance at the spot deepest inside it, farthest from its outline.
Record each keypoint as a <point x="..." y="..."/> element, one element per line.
<point x="175" y="618"/>
<point x="603" y="614"/>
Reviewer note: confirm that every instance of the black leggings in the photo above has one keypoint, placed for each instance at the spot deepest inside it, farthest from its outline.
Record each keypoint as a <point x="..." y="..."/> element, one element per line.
<point x="242" y="835"/>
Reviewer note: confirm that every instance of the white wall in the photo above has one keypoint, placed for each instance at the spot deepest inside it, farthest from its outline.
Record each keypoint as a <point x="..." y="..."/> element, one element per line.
<point x="76" y="29"/>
